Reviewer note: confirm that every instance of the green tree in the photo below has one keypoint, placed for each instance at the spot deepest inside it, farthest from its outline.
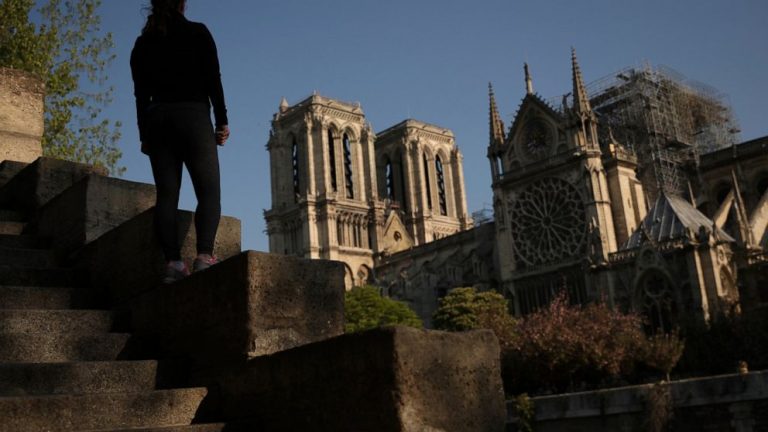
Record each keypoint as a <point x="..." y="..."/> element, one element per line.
<point x="68" y="51"/>
<point x="365" y="308"/>
<point x="466" y="309"/>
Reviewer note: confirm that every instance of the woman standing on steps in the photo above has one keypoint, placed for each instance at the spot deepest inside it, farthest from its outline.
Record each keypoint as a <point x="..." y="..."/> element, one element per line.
<point x="176" y="79"/>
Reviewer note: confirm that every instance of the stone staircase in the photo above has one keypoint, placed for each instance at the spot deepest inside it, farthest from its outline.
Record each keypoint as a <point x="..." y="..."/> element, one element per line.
<point x="65" y="365"/>
<point x="89" y="341"/>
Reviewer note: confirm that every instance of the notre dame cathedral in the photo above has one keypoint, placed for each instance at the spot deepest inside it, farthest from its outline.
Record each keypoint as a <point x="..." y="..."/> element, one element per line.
<point x="632" y="189"/>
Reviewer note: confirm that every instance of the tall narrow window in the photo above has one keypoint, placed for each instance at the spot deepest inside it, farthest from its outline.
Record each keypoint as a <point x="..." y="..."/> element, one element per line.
<point x="332" y="160"/>
<point x="389" y="179"/>
<point x="348" y="167"/>
<point x="426" y="181"/>
<point x="295" y="161"/>
<point x="441" y="186"/>
<point x="403" y="195"/>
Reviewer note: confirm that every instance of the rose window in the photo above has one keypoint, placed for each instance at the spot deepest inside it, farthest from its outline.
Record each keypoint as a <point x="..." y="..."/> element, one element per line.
<point x="548" y="222"/>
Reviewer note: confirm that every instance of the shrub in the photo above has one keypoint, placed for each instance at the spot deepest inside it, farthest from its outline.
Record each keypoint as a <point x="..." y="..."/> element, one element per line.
<point x="466" y="309"/>
<point x="365" y="308"/>
<point x="662" y="351"/>
<point x="562" y="345"/>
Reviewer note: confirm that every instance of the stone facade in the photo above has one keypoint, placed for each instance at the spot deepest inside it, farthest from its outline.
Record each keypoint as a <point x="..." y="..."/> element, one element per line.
<point x="21" y="116"/>
<point x="574" y="208"/>
<point x="341" y="193"/>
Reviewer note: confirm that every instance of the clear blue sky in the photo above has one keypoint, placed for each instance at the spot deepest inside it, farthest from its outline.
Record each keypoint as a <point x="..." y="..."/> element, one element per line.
<point x="432" y="60"/>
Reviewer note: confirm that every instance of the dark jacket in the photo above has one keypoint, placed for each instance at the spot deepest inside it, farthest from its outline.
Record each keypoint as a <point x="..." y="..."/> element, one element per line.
<point x="181" y="65"/>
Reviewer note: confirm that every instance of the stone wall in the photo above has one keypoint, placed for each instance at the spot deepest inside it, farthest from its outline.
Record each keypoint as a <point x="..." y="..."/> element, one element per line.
<point x="720" y="403"/>
<point x="21" y="116"/>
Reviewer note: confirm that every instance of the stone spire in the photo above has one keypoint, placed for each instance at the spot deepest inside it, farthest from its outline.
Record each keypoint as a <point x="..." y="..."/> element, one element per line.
<point x="496" y="125"/>
<point x="580" y="98"/>
<point x="528" y="80"/>
<point x="283" y="105"/>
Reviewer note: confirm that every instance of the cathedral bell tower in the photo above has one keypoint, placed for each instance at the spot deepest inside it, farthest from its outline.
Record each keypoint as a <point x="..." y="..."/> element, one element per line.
<point x="324" y="191"/>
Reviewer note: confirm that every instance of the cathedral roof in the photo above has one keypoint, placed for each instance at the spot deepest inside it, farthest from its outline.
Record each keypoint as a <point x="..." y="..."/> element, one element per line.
<point x="671" y="218"/>
<point x="416" y="124"/>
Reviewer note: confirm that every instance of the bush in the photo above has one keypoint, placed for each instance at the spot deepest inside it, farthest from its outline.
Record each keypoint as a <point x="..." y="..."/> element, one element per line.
<point x="466" y="309"/>
<point x="663" y="351"/>
<point x="561" y="346"/>
<point x="365" y="308"/>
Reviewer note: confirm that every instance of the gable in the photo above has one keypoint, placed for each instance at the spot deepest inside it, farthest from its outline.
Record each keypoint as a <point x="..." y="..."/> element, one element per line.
<point x="533" y="109"/>
<point x="396" y="237"/>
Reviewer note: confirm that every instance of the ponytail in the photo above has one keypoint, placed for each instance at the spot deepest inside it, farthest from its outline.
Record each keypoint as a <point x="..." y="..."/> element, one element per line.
<point x="161" y="13"/>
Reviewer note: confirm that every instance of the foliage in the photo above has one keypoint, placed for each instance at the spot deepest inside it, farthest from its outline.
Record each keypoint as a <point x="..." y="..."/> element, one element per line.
<point x="66" y="48"/>
<point x="522" y="406"/>
<point x="562" y="345"/>
<point x="466" y="309"/>
<point x="365" y="308"/>
<point x="663" y="351"/>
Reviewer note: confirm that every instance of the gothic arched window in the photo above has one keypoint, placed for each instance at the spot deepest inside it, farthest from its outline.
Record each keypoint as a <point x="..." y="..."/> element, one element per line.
<point x="348" y="167"/>
<point x="389" y="178"/>
<point x="426" y="181"/>
<point x="403" y="195"/>
<point x="295" y="162"/>
<point x="332" y="160"/>
<point x="441" y="186"/>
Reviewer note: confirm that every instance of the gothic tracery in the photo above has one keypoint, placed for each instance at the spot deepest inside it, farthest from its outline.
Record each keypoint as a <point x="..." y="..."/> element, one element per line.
<point x="547" y="220"/>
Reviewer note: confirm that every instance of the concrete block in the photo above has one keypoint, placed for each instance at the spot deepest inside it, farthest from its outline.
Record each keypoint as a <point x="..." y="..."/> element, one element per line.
<point x="12" y="297"/>
<point x="48" y="348"/>
<point x="19" y="379"/>
<point x="22" y="241"/>
<point x="19" y="276"/>
<point x="8" y="169"/>
<point x="72" y="322"/>
<point x="248" y="305"/>
<point x="21" y="115"/>
<point x="41" y="180"/>
<point x="29" y="258"/>
<point x="390" y="379"/>
<point x="88" y="209"/>
<point x="128" y="260"/>
<point x="101" y="411"/>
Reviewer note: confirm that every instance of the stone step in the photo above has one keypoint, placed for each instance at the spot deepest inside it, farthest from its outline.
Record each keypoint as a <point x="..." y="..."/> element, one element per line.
<point x="15" y="297"/>
<point x="207" y="427"/>
<point x="100" y="411"/>
<point x="12" y="216"/>
<point x="23" y="257"/>
<point x="27" y="241"/>
<point x="13" y="228"/>
<point x="14" y="276"/>
<point x="26" y="379"/>
<point x="69" y="322"/>
<point x="50" y="348"/>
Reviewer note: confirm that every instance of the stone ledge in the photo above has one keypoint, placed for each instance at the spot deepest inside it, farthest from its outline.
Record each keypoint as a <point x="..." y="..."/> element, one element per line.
<point x="248" y="305"/>
<point x="88" y="209"/>
<point x="40" y="181"/>
<point x="127" y="260"/>
<point x="389" y="379"/>
<point x="695" y="392"/>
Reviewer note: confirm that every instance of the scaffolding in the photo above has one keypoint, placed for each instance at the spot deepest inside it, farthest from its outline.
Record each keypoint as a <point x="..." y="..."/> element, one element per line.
<point x="666" y="118"/>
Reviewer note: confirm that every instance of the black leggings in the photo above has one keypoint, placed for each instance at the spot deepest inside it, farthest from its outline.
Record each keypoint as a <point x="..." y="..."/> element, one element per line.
<point x="182" y="134"/>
